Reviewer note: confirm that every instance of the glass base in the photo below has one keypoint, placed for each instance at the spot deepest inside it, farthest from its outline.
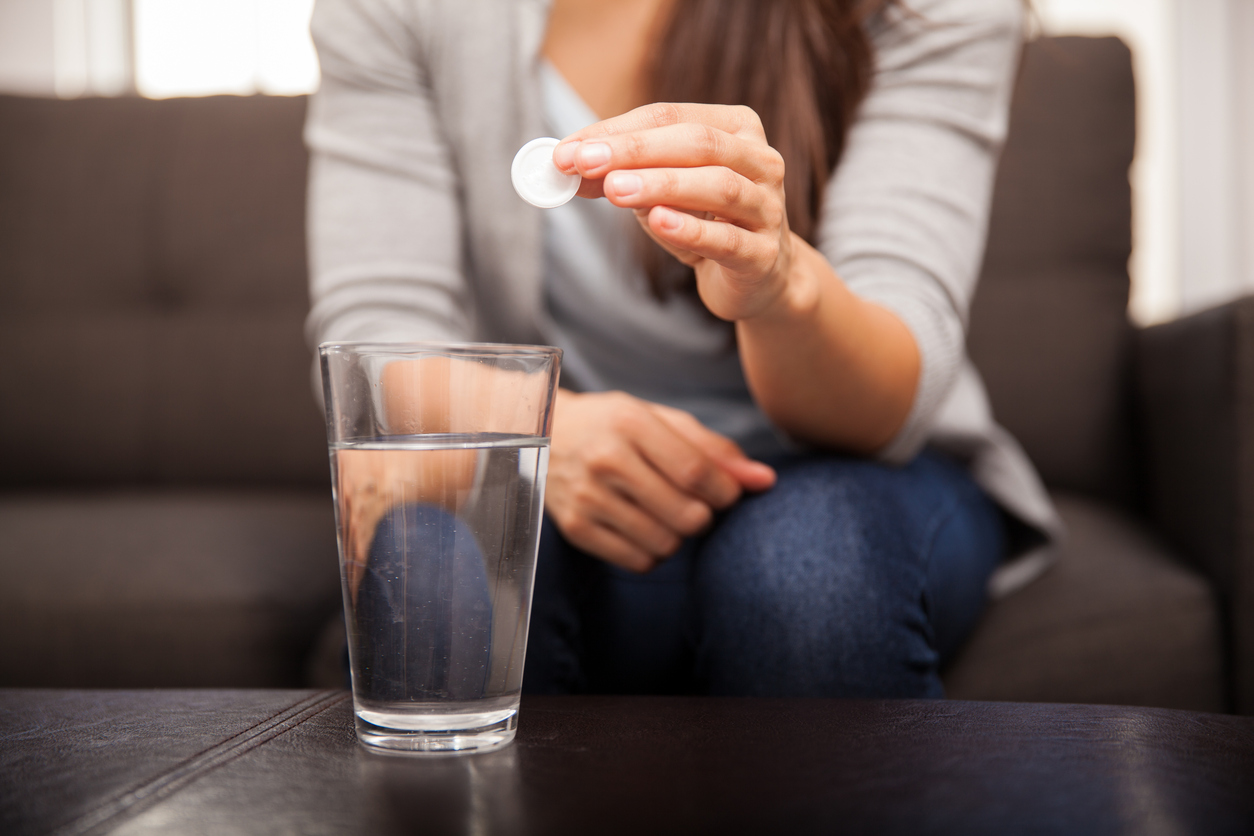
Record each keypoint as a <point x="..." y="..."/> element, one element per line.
<point x="436" y="734"/>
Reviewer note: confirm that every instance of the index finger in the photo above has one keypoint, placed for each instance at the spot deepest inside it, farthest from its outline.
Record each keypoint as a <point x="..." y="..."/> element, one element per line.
<point x="734" y="119"/>
<point x="752" y="475"/>
<point x="703" y="438"/>
<point x="684" y="464"/>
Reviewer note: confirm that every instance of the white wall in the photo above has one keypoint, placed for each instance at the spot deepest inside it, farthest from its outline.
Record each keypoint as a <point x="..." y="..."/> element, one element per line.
<point x="1243" y="38"/>
<point x="1217" y="141"/>
<point x="26" y="47"/>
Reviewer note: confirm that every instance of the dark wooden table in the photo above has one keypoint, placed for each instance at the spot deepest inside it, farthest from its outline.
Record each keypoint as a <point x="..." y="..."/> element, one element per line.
<point x="262" y="762"/>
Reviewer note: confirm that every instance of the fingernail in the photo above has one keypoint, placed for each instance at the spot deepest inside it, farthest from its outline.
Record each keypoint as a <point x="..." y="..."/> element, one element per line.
<point x="564" y="155"/>
<point x="625" y="184"/>
<point x="670" y="219"/>
<point x="593" y="154"/>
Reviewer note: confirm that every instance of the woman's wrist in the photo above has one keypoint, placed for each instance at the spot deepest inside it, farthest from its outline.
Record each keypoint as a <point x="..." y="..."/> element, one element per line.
<point x="800" y="287"/>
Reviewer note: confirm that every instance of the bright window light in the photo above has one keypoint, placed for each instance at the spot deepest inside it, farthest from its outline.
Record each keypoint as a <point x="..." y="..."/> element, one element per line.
<point x="205" y="47"/>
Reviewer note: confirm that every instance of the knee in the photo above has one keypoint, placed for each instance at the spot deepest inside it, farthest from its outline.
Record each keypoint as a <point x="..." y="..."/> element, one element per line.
<point x="812" y="544"/>
<point x="813" y="590"/>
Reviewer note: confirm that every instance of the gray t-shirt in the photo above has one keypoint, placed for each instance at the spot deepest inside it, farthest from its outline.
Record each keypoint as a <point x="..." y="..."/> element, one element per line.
<point x="416" y="234"/>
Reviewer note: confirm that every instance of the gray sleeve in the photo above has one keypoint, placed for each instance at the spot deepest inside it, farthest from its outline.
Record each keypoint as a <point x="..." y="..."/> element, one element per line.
<point x="384" y="220"/>
<point x="906" y="212"/>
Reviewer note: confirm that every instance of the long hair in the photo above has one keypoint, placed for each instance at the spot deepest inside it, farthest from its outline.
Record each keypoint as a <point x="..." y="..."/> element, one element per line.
<point x="803" y="65"/>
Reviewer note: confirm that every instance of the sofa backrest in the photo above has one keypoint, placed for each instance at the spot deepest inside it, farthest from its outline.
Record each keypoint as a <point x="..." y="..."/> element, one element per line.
<point x="153" y="287"/>
<point x="1049" y="328"/>
<point x="152" y="293"/>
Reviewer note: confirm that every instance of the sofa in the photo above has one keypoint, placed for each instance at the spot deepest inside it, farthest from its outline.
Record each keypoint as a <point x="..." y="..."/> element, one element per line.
<point x="165" y="513"/>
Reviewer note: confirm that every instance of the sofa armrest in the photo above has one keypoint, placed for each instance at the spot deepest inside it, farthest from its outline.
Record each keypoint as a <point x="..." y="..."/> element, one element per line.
<point x="1195" y="390"/>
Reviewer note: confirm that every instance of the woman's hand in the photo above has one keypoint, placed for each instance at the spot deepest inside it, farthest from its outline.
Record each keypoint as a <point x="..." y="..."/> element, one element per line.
<point x="826" y="366"/>
<point x="706" y="186"/>
<point x="629" y="479"/>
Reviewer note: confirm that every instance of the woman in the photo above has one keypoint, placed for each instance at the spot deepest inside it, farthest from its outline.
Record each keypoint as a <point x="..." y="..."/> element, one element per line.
<point x="773" y="473"/>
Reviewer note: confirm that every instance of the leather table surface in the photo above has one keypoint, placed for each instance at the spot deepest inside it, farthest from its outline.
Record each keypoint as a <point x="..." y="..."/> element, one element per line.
<point x="279" y="762"/>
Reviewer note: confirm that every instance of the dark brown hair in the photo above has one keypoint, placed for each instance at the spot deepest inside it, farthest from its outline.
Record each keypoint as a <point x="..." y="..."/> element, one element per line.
<point x="803" y="65"/>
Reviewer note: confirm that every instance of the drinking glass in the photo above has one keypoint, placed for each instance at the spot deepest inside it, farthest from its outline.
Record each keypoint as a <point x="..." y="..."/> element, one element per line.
<point x="438" y="462"/>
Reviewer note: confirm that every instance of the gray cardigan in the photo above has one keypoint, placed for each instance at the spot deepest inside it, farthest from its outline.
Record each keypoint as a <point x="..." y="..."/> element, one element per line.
<point x="416" y="234"/>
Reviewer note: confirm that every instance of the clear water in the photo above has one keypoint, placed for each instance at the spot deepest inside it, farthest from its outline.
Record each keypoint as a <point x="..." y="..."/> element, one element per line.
<point x="438" y="539"/>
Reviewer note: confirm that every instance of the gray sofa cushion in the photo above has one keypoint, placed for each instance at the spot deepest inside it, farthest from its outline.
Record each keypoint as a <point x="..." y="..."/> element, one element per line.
<point x="1117" y="620"/>
<point x="188" y="589"/>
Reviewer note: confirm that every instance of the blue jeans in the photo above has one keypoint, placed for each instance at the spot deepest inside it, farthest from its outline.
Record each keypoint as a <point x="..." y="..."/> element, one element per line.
<point x="423" y="609"/>
<point x="848" y="578"/>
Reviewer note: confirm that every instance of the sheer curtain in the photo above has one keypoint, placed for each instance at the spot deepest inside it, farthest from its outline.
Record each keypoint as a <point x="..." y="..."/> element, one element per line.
<point x="92" y="49"/>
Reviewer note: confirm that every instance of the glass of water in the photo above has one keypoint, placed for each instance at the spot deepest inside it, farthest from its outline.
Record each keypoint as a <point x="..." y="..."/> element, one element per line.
<point x="438" y="461"/>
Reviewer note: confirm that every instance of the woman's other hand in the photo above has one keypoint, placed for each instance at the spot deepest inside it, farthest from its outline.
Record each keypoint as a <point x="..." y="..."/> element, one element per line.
<point x="628" y="479"/>
<point x="705" y="184"/>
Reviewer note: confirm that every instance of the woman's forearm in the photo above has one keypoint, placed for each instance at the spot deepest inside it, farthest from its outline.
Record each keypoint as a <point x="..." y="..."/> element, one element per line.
<point x="827" y="367"/>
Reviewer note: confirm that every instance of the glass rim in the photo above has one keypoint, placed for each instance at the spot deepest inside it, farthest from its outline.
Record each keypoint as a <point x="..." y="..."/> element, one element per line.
<point x="433" y="347"/>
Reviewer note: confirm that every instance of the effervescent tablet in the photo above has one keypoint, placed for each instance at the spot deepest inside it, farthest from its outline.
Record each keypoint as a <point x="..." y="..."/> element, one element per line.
<point x="537" y="180"/>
